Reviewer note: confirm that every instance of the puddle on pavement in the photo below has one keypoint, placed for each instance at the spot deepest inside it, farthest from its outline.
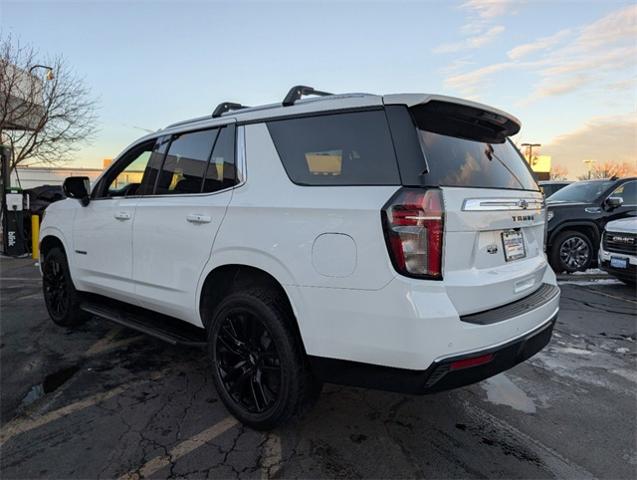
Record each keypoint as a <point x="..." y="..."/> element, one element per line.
<point x="51" y="383"/>
<point x="502" y="391"/>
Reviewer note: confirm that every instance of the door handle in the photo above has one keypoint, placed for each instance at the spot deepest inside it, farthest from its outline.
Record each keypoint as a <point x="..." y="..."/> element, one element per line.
<point x="198" y="218"/>
<point x="122" y="216"/>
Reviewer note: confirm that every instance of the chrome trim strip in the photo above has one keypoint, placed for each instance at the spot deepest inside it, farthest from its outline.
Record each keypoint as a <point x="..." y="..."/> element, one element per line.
<point x="240" y="159"/>
<point x="504" y="342"/>
<point x="501" y="204"/>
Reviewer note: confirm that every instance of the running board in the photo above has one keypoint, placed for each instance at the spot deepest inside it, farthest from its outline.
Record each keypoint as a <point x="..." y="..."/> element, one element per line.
<point x="168" y="329"/>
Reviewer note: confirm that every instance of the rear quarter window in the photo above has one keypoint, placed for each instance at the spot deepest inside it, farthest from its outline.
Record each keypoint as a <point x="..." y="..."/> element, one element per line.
<point x="337" y="149"/>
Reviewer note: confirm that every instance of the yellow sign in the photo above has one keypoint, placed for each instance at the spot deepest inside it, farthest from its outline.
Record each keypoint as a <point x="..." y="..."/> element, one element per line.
<point x="541" y="163"/>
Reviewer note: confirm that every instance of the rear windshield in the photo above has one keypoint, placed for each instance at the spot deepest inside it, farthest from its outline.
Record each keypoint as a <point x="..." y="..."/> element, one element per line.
<point x="581" y="191"/>
<point x="453" y="161"/>
<point x="337" y="149"/>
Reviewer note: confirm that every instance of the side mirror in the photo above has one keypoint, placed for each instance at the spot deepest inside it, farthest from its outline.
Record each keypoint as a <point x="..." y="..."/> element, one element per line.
<point x="77" y="187"/>
<point x="614" y="202"/>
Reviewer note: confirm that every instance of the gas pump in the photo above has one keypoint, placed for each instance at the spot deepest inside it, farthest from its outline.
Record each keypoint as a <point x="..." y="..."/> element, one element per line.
<point x="14" y="239"/>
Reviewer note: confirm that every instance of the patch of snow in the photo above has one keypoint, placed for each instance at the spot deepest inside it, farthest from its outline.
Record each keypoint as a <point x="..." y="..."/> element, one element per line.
<point x="584" y="281"/>
<point x="502" y="391"/>
<point x="591" y="271"/>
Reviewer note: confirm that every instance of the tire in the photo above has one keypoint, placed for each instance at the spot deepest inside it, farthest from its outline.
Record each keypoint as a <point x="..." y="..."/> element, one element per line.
<point x="571" y="251"/>
<point x="60" y="297"/>
<point x="260" y="369"/>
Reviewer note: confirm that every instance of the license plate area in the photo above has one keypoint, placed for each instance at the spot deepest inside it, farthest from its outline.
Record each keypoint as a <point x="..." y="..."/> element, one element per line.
<point x="619" y="262"/>
<point x="513" y="245"/>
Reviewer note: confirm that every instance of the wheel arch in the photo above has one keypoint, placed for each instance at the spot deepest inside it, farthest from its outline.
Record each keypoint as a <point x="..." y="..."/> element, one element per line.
<point x="50" y="240"/>
<point x="588" y="228"/>
<point x="227" y="278"/>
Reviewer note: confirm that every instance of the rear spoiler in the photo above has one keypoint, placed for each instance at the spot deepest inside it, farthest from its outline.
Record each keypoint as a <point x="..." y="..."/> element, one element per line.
<point x="457" y="117"/>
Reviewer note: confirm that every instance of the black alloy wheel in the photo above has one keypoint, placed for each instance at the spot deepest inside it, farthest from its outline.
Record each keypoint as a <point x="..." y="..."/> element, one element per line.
<point x="248" y="361"/>
<point x="60" y="297"/>
<point x="575" y="253"/>
<point x="56" y="294"/>
<point x="260" y="368"/>
<point x="571" y="252"/>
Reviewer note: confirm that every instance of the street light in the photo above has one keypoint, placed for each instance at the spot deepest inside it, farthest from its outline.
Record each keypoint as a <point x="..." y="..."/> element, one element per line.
<point x="49" y="74"/>
<point x="530" y="147"/>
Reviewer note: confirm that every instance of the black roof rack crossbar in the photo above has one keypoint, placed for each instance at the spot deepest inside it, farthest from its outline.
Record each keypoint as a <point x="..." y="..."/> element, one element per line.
<point x="299" y="91"/>
<point x="226" y="107"/>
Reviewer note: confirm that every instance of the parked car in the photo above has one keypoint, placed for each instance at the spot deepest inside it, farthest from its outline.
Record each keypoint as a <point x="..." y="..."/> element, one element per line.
<point x="577" y="215"/>
<point x="549" y="187"/>
<point x="310" y="241"/>
<point x="618" y="250"/>
<point x="42" y="196"/>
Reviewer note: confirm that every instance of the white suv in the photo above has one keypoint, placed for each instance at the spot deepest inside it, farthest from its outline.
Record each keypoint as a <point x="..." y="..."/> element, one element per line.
<point x="618" y="250"/>
<point x="391" y="242"/>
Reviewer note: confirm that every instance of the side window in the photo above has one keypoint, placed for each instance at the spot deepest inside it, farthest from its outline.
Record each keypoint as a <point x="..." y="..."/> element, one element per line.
<point x="221" y="170"/>
<point x="125" y="177"/>
<point x="185" y="164"/>
<point x="154" y="165"/>
<point x="340" y="149"/>
<point x="627" y="191"/>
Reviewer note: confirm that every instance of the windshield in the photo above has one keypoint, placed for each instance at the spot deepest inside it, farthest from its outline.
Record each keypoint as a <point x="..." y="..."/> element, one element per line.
<point x="581" y="191"/>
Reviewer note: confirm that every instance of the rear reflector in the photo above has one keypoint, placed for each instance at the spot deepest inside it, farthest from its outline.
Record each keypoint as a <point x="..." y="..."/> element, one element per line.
<point x="471" y="362"/>
<point x="412" y="222"/>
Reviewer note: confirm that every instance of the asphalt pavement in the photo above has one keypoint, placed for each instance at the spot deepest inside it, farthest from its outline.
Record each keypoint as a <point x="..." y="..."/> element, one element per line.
<point x="102" y="401"/>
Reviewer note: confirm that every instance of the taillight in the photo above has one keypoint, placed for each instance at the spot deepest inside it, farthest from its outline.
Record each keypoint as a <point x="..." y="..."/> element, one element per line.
<point x="412" y="221"/>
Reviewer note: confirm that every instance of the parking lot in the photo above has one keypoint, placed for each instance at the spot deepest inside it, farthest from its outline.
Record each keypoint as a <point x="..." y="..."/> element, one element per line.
<point x="106" y="402"/>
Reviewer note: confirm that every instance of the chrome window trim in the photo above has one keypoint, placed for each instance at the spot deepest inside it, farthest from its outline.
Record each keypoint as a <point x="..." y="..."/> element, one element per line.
<point x="240" y="157"/>
<point x="240" y="166"/>
<point x="502" y="204"/>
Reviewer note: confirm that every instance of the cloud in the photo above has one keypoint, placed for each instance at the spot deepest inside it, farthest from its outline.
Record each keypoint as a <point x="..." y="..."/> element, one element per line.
<point x="473" y="79"/>
<point x="603" y="139"/>
<point x="540" y="44"/>
<point x="552" y="88"/>
<point x="618" y="25"/>
<point x="470" y="43"/>
<point x="599" y="52"/>
<point x="482" y="13"/>
<point x="488" y="9"/>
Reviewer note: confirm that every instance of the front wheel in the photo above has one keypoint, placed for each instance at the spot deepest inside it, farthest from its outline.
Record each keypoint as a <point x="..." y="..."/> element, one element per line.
<point x="259" y="367"/>
<point x="571" y="252"/>
<point x="60" y="297"/>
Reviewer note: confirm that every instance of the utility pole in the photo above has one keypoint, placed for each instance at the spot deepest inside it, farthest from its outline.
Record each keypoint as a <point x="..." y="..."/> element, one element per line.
<point x="589" y="164"/>
<point x="529" y="147"/>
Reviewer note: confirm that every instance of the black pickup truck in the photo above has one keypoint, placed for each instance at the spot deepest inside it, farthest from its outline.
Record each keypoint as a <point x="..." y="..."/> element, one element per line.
<point x="577" y="215"/>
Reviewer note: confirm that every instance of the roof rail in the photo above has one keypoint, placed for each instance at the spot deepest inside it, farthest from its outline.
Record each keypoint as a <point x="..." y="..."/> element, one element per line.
<point x="226" y="107"/>
<point x="299" y="91"/>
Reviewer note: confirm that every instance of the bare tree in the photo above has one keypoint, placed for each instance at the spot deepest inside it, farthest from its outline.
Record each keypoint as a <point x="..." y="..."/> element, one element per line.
<point x="46" y="113"/>
<point x="559" y="172"/>
<point x="609" y="170"/>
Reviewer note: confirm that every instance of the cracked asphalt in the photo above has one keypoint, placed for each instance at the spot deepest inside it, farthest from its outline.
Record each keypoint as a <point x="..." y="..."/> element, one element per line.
<point x="105" y="402"/>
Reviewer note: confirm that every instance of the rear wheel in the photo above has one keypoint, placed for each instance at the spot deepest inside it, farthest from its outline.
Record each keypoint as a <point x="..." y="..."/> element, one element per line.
<point x="60" y="297"/>
<point x="259" y="367"/>
<point x="572" y="251"/>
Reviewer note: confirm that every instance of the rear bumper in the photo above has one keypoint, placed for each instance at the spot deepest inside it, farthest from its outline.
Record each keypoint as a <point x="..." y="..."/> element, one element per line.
<point x="443" y="374"/>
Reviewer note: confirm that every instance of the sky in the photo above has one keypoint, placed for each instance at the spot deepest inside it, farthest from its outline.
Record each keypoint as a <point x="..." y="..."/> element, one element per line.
<point x="566" y="69"/>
